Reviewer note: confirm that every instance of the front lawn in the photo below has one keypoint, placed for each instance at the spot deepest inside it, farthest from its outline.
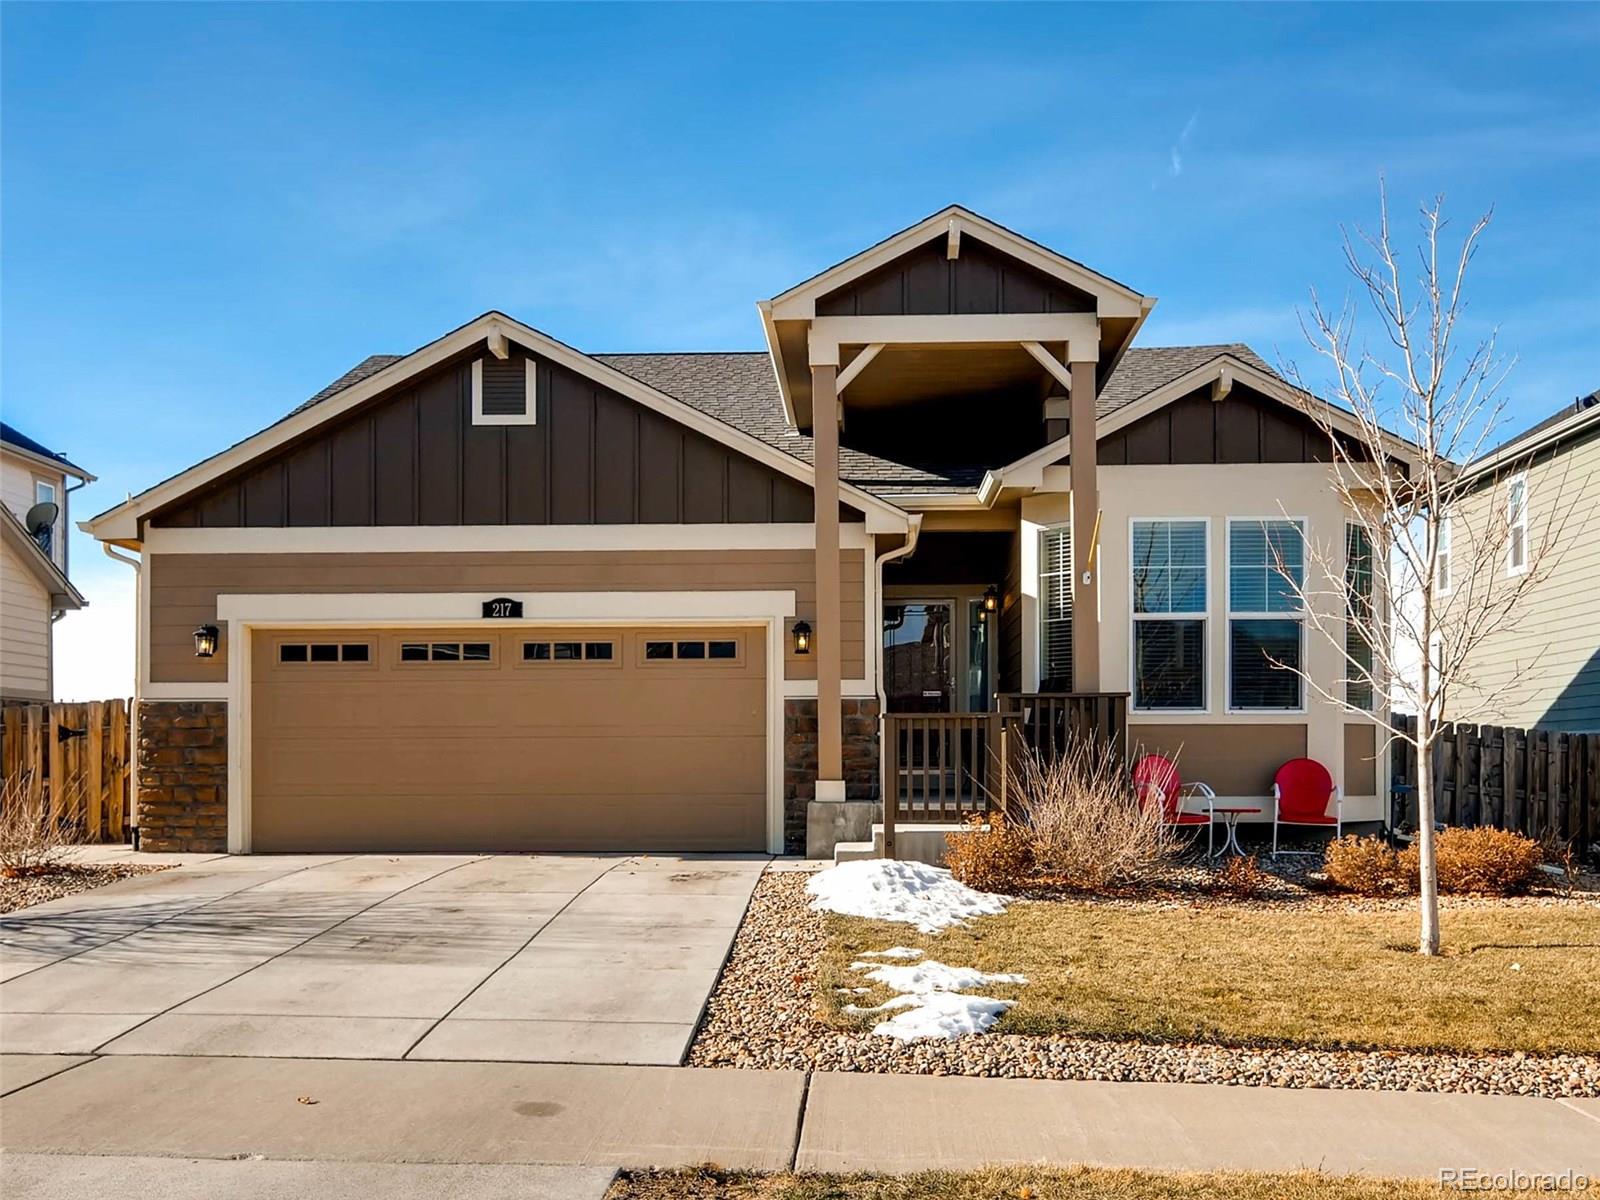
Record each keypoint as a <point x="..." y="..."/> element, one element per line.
<point x="1032" y="1183"/>
<point x="1512" y="976"/>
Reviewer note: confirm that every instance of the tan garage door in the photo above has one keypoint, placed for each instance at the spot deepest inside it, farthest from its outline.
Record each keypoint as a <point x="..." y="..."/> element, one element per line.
<point x="511" y="739"/>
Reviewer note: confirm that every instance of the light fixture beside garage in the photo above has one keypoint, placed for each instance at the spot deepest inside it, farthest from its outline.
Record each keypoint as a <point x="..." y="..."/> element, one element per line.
<point x="205" y="641"/>
<point x="802" y="637"/>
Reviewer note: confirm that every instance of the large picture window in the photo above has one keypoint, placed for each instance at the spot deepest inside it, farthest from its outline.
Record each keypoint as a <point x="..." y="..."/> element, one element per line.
<point x="1055" y="609"/>
<point x="1169" y="614"/>
<point x="1360" y="628"/>
<point x="1266" y="624"/>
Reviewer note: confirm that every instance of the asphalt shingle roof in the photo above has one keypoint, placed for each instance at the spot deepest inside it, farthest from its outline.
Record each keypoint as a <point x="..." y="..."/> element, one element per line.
<point x="12" y="436"/>
<point x="738" y="388"/>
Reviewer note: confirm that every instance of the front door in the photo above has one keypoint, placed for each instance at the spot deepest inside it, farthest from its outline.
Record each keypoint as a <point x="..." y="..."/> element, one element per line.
<point x="918" y="675"/>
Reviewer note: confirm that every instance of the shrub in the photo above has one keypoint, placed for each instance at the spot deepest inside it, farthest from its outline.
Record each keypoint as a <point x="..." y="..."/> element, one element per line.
<point x="1494" y="862"/>
<point x="991" y="854"/>
<point x="1087" y="826"/>
<point x="1366" y="865"/>
<point x="33" y="839"/>
<point x="1240" y="877"/>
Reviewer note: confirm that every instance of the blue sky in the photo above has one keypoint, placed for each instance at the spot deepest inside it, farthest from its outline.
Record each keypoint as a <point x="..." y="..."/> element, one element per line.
<point x="210" y="211"/>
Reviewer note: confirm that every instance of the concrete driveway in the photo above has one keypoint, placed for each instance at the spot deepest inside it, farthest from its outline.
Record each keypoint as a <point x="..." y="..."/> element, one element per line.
<point x="547" y="958"/>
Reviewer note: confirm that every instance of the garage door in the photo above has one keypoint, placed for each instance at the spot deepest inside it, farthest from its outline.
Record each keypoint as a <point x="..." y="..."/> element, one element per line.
<point x="548" y="739"/>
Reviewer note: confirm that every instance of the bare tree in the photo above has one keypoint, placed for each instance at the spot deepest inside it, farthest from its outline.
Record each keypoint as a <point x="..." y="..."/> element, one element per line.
<point x="1414" y="570"/>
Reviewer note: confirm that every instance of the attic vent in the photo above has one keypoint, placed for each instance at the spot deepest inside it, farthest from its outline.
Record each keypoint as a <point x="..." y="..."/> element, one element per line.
<point x="503" y="391"/>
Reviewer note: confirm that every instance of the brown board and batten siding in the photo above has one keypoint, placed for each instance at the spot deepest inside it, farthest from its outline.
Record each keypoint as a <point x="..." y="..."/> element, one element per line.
<point x="1244" y="427"/>
<point x="414" y="457"/>
<point x="184" y="588"/>
<point x="926" y="282"/>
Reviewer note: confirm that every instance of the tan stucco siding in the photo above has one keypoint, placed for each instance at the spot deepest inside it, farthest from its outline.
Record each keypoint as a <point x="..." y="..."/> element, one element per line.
<point x="1239" y="748"/>
<point x="1545" y="669"/>
<point x="24" y="630"/>
<point x="184" y="588"/>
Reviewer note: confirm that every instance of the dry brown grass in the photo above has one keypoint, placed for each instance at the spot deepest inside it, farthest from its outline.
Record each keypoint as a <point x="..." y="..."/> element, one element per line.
<point x="1511" y="977"/>
<point x="1025" y="1183"/>
<point x="37" y="835"/>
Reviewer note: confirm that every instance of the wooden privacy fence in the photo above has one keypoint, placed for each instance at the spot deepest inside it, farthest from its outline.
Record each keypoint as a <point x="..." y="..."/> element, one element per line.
<point x="74" y="757"/>
<point x="945" y="766"/>
<point x="1537" y="782"/>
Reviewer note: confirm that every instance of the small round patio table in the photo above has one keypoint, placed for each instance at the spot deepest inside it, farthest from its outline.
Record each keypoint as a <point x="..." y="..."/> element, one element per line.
<point x="1230" y="817"/>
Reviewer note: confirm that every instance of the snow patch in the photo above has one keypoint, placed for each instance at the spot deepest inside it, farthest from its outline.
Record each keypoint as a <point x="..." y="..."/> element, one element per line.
<point x="893" y="952"/>
<point x="931" y="976"/>
<point x="914" y="893"/>
<point x="946" y="1015"/>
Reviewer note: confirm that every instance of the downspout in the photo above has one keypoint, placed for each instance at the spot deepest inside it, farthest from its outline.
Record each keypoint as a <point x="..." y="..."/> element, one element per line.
<point x="138" y="669"/>
<point x="66" y="526"/>
<point x="912" y="534"/>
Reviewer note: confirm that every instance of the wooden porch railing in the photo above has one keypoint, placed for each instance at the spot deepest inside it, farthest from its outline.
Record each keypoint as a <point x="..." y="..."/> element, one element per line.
<point x="944" y="767"/>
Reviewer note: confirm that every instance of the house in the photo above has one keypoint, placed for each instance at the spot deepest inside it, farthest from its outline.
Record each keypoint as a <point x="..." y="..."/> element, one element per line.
<point x="34" y="589"/>
<point x="499" y="593"/>
<point x="1534" y="496"/>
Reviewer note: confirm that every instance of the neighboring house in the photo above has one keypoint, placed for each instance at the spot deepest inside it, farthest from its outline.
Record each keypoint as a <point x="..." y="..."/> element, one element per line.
<point x="1542" y="486"/>
<point x="34" y="591"/>
<point x="498" y="593"/>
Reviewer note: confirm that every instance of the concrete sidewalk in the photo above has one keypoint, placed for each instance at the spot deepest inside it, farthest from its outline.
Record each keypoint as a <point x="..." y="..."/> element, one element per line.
<point x="618" y="1116"/>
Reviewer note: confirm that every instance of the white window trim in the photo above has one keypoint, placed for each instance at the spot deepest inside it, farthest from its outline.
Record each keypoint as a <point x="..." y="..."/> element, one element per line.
<point x="1520" y="525"/>
<point x="1041" y="575"/>
<point x="1445" y="552"/>
<point x="530" y="409"/>
<point x="1230" y="616"/>
<point x="1204" y="617"/>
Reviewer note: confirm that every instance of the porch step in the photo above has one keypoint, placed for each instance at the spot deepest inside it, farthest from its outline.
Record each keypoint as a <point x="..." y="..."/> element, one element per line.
<point x="921" y="841"/>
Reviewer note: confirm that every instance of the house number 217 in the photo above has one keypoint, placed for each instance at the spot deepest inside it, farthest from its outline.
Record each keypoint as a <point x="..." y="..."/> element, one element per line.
<point x="501" y="607"/>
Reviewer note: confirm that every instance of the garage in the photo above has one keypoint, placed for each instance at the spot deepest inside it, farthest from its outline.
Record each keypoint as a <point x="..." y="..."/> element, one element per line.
<point x="512" y="739"/>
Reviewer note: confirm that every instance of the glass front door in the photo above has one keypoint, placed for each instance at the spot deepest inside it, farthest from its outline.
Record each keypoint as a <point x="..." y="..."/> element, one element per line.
<point x="918" y="673"/>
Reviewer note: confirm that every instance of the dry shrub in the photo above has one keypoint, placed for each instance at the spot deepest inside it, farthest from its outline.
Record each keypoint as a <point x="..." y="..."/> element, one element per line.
<point x="1087" y="825"/>
<point x="1365" y="865"/>
<point x="991" y="854"/>
<point x="1491" y="862"/>
<point x="1240" y="878"/>
<point x="36" y="835"/>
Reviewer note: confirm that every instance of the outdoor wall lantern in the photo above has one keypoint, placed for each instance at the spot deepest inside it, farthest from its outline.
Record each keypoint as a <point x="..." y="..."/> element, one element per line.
<point x="802" y="637"/>
<point x="991" y="600"/>
<point x="205" y="641"/>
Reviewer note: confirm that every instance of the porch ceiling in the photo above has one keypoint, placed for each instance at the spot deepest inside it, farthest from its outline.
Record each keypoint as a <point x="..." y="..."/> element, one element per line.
<point x="906" y="374"/>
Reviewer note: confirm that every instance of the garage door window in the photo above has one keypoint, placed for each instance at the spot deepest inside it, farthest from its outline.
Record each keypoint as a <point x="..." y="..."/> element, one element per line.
<point x="544" y="652"/>
<point x="696" y="650"/>
<point x="324" y="652"/>
<point x="446" y="652"/>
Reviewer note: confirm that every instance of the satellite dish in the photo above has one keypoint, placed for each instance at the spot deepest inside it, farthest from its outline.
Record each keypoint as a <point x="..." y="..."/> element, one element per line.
<point x="41" y="518"/>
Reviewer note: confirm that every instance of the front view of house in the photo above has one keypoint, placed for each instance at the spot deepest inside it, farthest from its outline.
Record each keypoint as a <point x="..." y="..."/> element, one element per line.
<point x="500" y="594"/>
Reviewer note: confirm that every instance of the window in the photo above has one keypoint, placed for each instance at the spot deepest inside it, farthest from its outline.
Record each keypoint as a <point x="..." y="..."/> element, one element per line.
<point x="567" y="652"/>
<point x="691" y="651"/>
<point x="452" y="652"/>
<point x="324" y="652"/>
<point x="1266" y="566"/>
<point x="1359" y="628"/>
<point x="44" y="492"/>
<point x="1441" y="560"/>
<point x="1517" y="526"/>
<point x="1055" y="609"/>
<point x="1169" y="614"/>
<point x="504" y="391"/>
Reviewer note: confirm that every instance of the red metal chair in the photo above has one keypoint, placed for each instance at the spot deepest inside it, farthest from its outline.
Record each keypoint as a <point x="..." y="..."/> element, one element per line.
<point x="1156" y="781"/>
<point x="1300" y="796"/>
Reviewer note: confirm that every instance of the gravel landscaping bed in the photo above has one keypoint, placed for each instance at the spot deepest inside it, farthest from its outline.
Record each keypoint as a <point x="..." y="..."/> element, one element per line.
<point x="762" y="1016"/>
<point x="66" y="881"/>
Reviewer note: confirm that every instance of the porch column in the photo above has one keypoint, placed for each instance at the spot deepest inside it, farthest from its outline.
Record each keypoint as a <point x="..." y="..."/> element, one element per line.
<point x="826" y="645"/>
<point x="1085" y="506"/>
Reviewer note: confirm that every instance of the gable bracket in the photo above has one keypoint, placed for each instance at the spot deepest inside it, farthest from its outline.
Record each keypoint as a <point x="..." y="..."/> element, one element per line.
<point x="1050" y="363"/>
